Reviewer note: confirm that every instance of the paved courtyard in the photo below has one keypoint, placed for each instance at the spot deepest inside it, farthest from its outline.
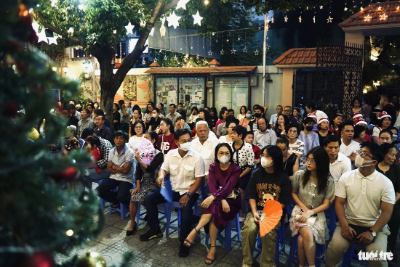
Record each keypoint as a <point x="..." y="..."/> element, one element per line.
<point x="112" y="243"/>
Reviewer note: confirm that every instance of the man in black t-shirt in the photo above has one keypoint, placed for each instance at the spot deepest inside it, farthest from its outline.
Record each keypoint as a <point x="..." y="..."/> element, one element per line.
<point x="267" y="182"/>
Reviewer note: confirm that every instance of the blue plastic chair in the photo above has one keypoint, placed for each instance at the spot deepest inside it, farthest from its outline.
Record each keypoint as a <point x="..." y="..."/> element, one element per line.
<point x="123" y="209"/>
<point x="351" y="254"/>
<point x="233" y="225"/>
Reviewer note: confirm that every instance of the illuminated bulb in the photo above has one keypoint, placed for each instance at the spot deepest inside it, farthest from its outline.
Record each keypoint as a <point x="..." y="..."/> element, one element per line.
<point x="69" y="232"/>
<point x="206" y="2"/>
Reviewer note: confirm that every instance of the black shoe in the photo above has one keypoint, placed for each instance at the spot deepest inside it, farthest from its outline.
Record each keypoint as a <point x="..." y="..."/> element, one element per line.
<point x="184" y="251"/>
<point x="150" y="234"/>
<point x="131" y="232"/>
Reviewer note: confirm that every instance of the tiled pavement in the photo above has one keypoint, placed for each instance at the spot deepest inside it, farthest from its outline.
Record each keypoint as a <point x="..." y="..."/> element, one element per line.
<point x="112" y="244"/>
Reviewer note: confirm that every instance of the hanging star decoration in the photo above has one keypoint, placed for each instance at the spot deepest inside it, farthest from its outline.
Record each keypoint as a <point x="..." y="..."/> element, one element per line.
<point x="210" y="53"/>
<point x="367" y="18"/>
<point x="245" y="49"/>
<point x="300" y="19"/>
<point x="222" y="52"/>
<point x="52" y="40"/>
<point x="286" y="18"/>
<point x="182" y="4"/>
<point x="40" y="32"/>
<point x="329" y="19"/>
<point x="256" y="52"/>
<point x="233" y="51"/>
<point x="142" y="23"/>
<point x="383" y="17"/>
<point x="314" y="19"/>
<point x="173" y="20"/>
<point x="129" y="28"/>
<point x="197" y="18"/>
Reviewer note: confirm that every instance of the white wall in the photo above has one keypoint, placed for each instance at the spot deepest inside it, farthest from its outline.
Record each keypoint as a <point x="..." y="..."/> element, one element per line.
<point x="273" y="90"/>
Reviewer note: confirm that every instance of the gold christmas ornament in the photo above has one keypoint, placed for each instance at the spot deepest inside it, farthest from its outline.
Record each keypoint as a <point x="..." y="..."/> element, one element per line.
<point x="92" y="259"/>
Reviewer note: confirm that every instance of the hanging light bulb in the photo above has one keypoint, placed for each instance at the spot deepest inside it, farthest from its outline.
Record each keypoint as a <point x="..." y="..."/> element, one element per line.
<point x="206" y="2"/>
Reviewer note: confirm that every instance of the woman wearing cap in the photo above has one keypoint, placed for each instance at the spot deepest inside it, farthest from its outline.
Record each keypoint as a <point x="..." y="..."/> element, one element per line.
<point x="384" y="122"/>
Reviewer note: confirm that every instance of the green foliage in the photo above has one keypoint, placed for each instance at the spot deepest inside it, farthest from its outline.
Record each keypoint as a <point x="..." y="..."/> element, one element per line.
<point x="39" y="202"/>
<point x="97" y="22"/>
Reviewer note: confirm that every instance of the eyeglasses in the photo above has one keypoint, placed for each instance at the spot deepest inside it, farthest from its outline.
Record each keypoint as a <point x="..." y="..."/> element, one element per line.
<point x="310" y="161"/>
<point x="364" y="154"/>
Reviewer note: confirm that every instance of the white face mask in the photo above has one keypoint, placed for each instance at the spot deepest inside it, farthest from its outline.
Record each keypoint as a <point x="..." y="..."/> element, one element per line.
<point x="360" y="162"/>
<point x="266" y="163"/>
<point x="186" y="146"/>
<point x="223" y="159"/>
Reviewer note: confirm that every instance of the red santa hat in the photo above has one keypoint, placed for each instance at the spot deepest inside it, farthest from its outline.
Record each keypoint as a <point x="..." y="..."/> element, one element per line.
<point x="359" y="121"/>
<point x="383" y="115"/>
<point x="357" y="116"/>
<point x="321" y="120"/>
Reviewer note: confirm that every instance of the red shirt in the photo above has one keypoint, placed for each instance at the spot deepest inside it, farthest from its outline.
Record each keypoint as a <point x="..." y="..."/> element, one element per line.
<point x="165" y="143"/>
<point x="257" y="151"/>
<point x="96" y="155"/>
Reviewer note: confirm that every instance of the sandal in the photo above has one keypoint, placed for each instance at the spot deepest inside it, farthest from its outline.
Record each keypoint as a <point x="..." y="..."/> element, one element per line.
<point x="188" y="243"/>
<point x="209" y="261"/>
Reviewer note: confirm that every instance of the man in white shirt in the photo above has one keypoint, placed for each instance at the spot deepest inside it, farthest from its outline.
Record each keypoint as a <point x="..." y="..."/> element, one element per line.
<point x="204" y="144"/>
<point x="274" y="117"/>
<point x="120" y="159"/>
<point x="349" y="147"/>
<point x="339" y="163"/>
<point x="364" y="204"/>
<point x="186" y="171"/>
<point x="173" y="115"/>
<point x="263" y="136"/>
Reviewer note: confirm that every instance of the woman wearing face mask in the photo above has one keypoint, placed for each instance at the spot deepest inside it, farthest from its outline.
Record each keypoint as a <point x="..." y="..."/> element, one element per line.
<point x="391" y="170"/>
<point x="267" y="182"/>
<point x="154" y="121"/>
<point x="246" y="121"/>
<point x="224" y="201"/>
<point x="312" y="190"/>
<point x="146" y="171"/>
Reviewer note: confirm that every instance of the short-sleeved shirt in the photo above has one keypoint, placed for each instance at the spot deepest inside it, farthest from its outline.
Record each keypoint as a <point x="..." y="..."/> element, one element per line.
<point x="297" y="148"/>
<point x="244" y="156"/>
<point x="376" y="131"/>
<point x="353" y="147"/>
<point x="119" y="159"/>
<point x="206" y="150"/>
<point x="165" y="143"/>
<point x="339" y="167"/>
<point x="262" y="139"/>
<point x="308" y="193"/>
<point x="183" y="170"/>
<point x="364" y="196"/>
<point x="263" y="186"/>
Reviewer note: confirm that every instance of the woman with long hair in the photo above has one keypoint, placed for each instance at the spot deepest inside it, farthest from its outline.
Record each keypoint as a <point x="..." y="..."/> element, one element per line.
<point x="242" y="113"/>
<point x="281" y="125"/>
<point x="223" y="203"/>
<point x="312" y="190"/>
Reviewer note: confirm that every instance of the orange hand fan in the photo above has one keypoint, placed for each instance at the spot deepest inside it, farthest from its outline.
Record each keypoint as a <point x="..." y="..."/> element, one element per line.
<point x="270" y="217"/>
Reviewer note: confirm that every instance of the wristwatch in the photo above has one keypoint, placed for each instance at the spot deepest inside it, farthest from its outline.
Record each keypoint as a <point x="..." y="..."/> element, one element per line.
<point x="373" y="233"/>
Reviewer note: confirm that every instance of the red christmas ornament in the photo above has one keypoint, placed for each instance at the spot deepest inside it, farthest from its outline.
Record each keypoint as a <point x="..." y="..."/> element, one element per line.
<point x="10" y="109"/>
<point x="67" y="175"/>
<point x="38" y="259"/>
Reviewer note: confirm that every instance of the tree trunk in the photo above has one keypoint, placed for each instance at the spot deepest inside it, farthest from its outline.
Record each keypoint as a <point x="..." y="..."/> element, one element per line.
<point x="105" y="56"/>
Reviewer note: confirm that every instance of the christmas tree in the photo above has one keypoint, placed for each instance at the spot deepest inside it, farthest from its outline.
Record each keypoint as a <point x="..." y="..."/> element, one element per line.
<point x="44" y="208"/>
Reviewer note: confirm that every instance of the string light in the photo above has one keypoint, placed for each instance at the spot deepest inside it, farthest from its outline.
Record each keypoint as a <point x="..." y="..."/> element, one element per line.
<point x="383" y="17"/>
<point x="367" y="18"/>
<point x="69" y="232"/>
